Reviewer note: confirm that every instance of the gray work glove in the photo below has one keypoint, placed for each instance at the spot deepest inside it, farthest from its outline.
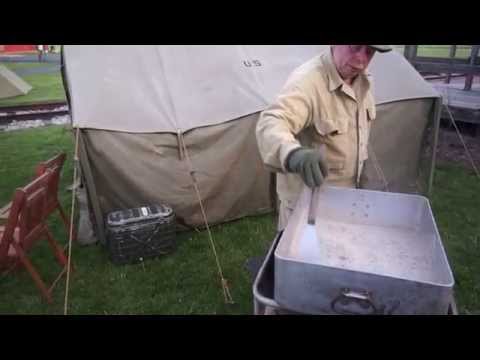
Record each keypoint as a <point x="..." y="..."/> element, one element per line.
<point x="311" y="164"/>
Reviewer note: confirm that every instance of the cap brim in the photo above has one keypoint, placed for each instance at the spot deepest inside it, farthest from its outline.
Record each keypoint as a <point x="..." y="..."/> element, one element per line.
<point x="382" y="48"/>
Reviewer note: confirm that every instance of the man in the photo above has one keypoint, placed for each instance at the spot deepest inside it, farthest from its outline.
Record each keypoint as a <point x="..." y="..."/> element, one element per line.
<point x="40" y="52"/>
<point x="327" y="100"/>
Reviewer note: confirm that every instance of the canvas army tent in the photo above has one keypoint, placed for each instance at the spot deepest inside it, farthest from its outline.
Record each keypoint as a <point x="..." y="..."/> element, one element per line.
<point x="11" y="84"/>
<point x="135" y="105"/>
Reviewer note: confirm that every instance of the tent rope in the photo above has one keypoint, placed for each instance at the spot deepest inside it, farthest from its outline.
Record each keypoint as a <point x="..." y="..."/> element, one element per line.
<point x="378" y="168"/>
<point x="224" y="282"/>
<point x="463" y="142"/>
<point x="70" y="236"/>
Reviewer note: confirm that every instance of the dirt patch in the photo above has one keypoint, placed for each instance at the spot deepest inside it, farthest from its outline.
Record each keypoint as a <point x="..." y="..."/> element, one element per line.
<point x="450" y="148"/>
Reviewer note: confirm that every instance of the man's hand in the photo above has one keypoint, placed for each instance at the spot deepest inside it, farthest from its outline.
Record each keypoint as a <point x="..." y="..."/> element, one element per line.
<point x="311" y="164"/>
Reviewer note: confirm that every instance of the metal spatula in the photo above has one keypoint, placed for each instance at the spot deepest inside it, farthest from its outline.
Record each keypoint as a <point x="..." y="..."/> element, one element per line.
<point x="309" y="241"/>
<point x="312" y="209"/>
<point x="309" y="246"/>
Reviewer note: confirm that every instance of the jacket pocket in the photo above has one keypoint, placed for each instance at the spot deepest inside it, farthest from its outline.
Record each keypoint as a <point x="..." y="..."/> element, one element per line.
<point x="331" y="128"/>
<point x="336" y="167"/>
<point x="335" y="134"/>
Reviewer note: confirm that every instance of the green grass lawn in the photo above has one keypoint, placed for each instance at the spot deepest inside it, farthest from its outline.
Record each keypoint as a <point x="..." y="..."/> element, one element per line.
<point x="456" y="205"/>
<point x="463" y="51"/>
<point x="186" y="282"/>
<point x="45" y="87"/>
<point x="26" y="65"/>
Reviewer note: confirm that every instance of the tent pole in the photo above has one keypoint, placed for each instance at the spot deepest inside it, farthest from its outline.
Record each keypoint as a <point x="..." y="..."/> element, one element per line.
<point x="72" y="216"/>
<point x="84" y="163"/>
<point x="436" y="128"/>
<point x="91" y="189"/>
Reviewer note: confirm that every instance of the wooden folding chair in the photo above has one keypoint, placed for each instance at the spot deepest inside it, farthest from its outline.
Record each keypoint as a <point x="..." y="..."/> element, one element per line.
<point x="26" y="225"/>
<point x="56" y="161"/>
<point x="56" y="165"/>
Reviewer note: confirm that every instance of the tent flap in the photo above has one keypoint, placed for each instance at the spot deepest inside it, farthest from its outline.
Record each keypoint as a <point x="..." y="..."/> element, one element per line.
<point x="232" y="182"/>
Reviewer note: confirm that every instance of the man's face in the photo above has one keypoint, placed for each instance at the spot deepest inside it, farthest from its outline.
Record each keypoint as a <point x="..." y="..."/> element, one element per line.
<point x="351" y="60"/>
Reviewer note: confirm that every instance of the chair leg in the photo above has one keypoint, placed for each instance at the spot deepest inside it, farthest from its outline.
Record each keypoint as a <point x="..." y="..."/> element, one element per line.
<point x="34" y="274"/>
<point x="66" y="222"/>
<point x="57" y="250"/>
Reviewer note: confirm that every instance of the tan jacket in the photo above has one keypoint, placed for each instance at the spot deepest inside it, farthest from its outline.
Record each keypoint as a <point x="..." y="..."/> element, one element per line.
<point x="316" y="106"/>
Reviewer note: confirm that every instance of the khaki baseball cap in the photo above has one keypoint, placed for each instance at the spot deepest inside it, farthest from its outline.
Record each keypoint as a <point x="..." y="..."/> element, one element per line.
<point x="381" y="48"/>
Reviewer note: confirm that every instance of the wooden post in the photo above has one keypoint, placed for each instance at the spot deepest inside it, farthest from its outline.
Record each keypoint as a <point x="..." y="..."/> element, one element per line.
<point x="437" y="112"/>
<point x="410" y="52"/>
<point x="453" y="50"/>
<point x="470" y="77"/>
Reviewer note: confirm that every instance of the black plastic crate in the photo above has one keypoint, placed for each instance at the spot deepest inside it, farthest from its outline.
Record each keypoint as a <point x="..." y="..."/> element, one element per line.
<point x="134" y="235"/>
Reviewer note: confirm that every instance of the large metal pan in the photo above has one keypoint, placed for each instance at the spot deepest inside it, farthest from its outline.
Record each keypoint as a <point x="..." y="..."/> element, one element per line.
<point x="373" y="253"/>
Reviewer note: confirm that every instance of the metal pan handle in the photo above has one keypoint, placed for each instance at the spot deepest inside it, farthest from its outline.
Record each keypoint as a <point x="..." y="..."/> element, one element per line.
<point x="347" y="297"/>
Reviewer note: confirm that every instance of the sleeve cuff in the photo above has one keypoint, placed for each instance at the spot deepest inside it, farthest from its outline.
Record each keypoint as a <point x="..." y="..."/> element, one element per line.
<point x="285" y="150"/>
